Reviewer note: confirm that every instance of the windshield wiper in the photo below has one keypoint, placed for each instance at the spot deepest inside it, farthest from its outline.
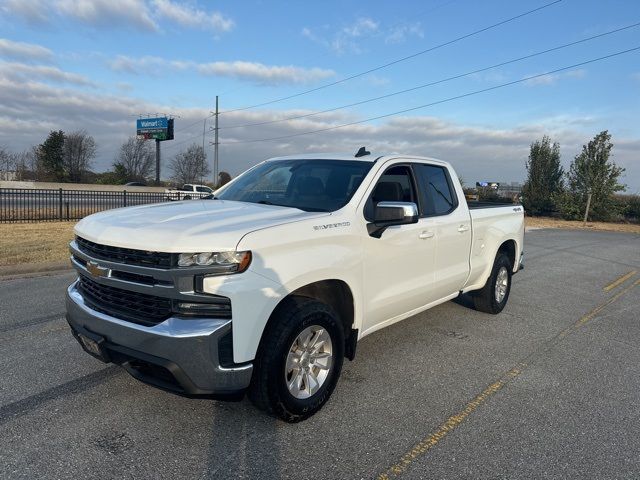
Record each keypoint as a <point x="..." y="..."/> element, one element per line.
<point x="267" y="202"/>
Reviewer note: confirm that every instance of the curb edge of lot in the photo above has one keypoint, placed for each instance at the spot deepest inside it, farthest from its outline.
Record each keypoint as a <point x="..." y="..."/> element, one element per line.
<point x="26" y="270"/>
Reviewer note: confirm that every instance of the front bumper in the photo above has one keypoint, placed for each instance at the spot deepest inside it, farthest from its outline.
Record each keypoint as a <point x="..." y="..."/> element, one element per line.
<point x="181" y="355"/>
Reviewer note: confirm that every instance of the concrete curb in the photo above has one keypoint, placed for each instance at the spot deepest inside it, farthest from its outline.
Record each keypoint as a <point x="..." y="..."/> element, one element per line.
<point x="33" y="269"/>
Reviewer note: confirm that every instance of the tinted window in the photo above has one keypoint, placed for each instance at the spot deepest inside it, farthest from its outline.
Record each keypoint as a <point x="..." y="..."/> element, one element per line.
<point x="204" y="189"/>
<point x="438" y="197"/>
<point x="311" y="185"/>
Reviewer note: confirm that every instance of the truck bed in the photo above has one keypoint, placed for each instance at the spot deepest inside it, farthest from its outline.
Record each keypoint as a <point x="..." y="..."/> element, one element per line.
<point x="474" y="205"/>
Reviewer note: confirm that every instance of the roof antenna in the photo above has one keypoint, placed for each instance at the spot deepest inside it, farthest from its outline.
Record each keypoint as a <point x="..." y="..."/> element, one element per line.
<point x="362" y="152"/>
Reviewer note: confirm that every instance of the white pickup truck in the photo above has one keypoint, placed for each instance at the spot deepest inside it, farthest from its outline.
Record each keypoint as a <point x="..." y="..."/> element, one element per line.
<point x="267" y="287"/>
<point x="188" y="192"/>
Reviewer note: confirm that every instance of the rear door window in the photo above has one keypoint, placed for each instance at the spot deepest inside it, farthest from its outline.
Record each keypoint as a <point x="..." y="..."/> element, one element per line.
<point x="437" y="194"/>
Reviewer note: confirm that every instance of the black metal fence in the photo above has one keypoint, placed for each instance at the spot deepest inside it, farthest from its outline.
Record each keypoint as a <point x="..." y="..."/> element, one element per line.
<point x="42" y="205"/>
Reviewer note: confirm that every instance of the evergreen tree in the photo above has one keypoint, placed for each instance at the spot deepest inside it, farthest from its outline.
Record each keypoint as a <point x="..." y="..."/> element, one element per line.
<point x="51" y="156"/>
<point x="544" y="177"/>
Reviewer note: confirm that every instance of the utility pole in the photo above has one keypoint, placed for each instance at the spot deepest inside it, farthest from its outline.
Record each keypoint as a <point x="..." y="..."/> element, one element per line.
<point x="157" y="162"/>
<point x="215" y="148"/>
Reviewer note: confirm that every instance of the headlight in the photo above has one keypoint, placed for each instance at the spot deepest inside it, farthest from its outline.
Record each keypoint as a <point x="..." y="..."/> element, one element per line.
<point x="220" y="262"/>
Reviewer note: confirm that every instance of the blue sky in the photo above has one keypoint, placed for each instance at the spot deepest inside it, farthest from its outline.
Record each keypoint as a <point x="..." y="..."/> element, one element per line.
<point x="96" y="64"/>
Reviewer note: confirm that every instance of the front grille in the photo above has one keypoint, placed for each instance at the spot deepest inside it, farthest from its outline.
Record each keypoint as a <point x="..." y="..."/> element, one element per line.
<point x="135" y="307"/>
<point x="127" y="256"/>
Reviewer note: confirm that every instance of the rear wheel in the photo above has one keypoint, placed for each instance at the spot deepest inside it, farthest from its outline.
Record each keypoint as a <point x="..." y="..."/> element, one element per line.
<point x="493" y="297"/>
<point x="299" y="360"/>
<point x="187" y="197"/>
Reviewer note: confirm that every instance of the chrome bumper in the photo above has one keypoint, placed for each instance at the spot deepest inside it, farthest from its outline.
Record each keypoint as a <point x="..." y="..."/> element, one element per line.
<point x="179" y="354"/>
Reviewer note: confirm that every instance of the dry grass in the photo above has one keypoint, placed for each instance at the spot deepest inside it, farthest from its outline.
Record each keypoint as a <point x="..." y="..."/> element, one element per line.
<point x="545" y="222"/>
<point x="35" y="243"/>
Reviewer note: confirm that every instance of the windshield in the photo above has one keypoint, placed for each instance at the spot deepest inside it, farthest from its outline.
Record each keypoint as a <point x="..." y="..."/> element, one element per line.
<point x="310" y="185"/>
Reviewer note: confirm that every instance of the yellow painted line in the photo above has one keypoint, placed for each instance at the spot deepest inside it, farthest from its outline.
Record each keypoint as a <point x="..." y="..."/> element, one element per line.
<point x="599" y="308"/>
<point x="454" y="421"/>
<point x="619" y="281"/>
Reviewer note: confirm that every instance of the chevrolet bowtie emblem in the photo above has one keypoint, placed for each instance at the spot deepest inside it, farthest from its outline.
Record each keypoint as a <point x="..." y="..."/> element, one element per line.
<point x="96" y="270"/>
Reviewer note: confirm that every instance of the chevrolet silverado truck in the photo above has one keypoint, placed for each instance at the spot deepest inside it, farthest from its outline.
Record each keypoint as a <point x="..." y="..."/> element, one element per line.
<point x="266" y="287"/>
<point x="187" y="192"/>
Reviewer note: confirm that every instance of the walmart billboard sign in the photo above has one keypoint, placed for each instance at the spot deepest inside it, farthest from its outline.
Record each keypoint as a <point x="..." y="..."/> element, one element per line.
<point x="160" y="128"/>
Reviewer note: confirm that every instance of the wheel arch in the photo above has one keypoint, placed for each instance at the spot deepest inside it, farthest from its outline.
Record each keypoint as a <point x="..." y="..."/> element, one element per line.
<point x="509" y="248"/>
<point x="334" y="292"/>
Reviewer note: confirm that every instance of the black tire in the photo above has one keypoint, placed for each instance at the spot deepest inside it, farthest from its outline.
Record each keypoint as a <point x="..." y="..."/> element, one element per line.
<point x="187" y="197"/>
<point x="268" y="390"/>
<point x="485" y="299"/>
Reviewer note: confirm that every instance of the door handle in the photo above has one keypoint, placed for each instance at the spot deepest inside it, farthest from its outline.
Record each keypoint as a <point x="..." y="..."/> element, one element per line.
<point x="463" y="228"/>
<point x="425" y="235"/>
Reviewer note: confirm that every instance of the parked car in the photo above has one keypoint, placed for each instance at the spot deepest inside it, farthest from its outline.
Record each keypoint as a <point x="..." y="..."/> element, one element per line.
<point x="135" y="184"/>
<point x="268" y="287"/>
<point x="188" y="192"/>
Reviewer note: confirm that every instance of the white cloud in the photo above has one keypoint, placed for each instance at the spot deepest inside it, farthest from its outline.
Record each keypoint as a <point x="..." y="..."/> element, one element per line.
<point x="554" y="78"/>
<point x="189" y="16"/>
<point x="399" y="34"/>
<point x="29" y="110"/>
<point x="251" y="71"/>
<point x="139" y="14"/>
<point x="352" y="37"/>
<point x="345" y="40"/>
<point x="32" y="11"/>
<point x="28" y="72"/>
<point x="108" y="12"/>
<point x="361" y="27"/>
<point x="271" y="74"/>
<point x="23" y="51"/>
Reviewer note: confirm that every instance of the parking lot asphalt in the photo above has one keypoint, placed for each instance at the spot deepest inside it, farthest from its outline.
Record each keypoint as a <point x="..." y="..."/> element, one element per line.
<point x="550" y="388"/>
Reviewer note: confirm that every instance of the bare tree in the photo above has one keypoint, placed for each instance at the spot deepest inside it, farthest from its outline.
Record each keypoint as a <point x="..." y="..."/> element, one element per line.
<point x="136" y="157"/>
<point x="29" y="165"/>
<point x="79" y="150"/>
<point x="190" y="166"/>
<point x="6" y="164"/>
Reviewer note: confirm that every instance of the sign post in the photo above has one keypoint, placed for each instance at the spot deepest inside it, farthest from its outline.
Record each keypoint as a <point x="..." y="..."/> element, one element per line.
<point x="158" y="129"/>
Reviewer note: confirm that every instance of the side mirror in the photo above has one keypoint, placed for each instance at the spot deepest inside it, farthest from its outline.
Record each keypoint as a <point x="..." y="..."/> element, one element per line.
<point x="388" y="214"/>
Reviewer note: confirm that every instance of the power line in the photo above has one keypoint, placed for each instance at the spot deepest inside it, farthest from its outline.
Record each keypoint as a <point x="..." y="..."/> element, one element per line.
<point x="394" y="62"/>
<point x="351" y="77"/>
<point x="185" y="127"/>
<point x="457" y="97"/>
<point x="436" y="7"/>
<point x="430" y="84"/>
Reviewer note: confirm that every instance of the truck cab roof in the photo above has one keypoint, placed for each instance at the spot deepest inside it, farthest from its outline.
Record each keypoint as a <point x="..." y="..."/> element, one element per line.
<point x="351" y="157"/>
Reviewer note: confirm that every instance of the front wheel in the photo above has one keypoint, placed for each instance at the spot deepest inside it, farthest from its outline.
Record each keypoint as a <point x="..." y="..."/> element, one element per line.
<point x="299" y="359"/>
<point x="493" y="297"/>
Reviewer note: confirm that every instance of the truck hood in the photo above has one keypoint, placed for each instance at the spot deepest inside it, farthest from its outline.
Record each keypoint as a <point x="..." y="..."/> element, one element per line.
<point x="188" y="226"/>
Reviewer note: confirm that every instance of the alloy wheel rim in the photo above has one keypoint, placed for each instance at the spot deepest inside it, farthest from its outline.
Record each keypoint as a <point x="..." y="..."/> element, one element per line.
<point x="502" y="283"/>
<point x="309" y="362"/>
